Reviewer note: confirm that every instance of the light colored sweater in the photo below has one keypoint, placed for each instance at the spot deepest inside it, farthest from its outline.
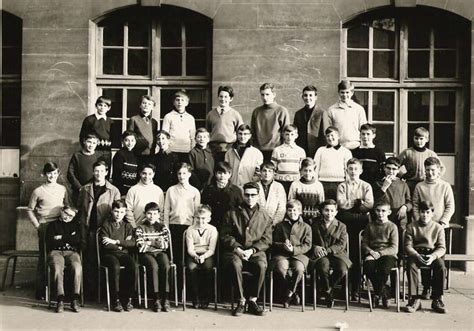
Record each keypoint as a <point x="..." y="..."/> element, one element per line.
<point x="275" y="203"/>
<point x="181" y="202"/>
<point x="223" y="127"/>
<point x="136" y="199"/>
<point x="347" y="117"/>
<point x="182" y="129"/>
<point x="331" y="163"/>
<point x="287" y="159"/>
<point x="201" y="241"/>
<point x="440" y="194"/>
<point x="245" y="169"/>
<point x="431" y="236"/>
<point x="413" y="161"/>
<point x="47" y="200"/>
<point x="349" y="191"/>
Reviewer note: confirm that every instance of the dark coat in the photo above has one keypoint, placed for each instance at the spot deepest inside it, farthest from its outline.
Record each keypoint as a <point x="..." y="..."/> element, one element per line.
<point x="311" y="130"/>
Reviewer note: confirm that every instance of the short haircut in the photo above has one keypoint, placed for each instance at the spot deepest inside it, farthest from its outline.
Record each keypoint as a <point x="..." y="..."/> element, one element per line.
<point x="329" y="202"/>
<point x="224" y="88"/>
<point x="266" y="86"/>
<point x="201" y="130"/>
<point x="163" y="132"/>
<point x="432" y="161"/>
<point x="223" y="166"/>
<point x="382" y="202"/>
<point x="69" y="207"/>
<point x="181" y="93"/>
<point x="251" y="185"/>
<point x="421" y="132"/>
<point x="100" y="163"/>
<point x="243" y="127"/>
<point x="147" y="165"/>
<point x="307" y="163"/>
<point x="425" y="205"/>
<point x="183" y="165"/>
<point x="90" y="135"/>
<point x="331" y="129"/>
<point x="367" y="127"/>
<point x="294" y="204"/>
<point x="151" y="206"/>
<point x="393" y="161"/>
<point x="149" y="98"/>
<point x="345" y="85"/>
<point x="103" y="99"/>
<point x="128" y="133"/>
<point x="120" y="203"/>
<point x="290" y="128"/>
<point x="49" y="167"/>
<point x="354" y="161"/>
<point x="269" y="165"/>
<point x="201" y="209"/>
<point x="310" y="88"/>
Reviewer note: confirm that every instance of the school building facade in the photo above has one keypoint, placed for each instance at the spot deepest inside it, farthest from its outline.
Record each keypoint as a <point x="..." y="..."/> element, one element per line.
<point x="410" y="60"/>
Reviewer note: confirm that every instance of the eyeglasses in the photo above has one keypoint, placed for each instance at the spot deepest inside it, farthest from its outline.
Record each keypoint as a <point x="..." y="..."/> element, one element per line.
<point x="68" y="215"/>
<point x="250" y="194"/>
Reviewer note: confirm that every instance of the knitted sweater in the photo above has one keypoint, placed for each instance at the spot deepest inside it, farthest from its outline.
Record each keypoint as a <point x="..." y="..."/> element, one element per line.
<point x="349" y="192"/>
<point x="268" y="122"/>
<point x="180" y="204"/>
<point x="221" y="200"/>
<point x="165" y="163"/>
<point x="202" y="161"/>
<point x="310" y="194"/>
<point x="427" y="236"/>
<point x="100" y="127"/>
<point x="137" y="198"/>
<point x="287" y="159"/>
<point x="123" y="232"/>
<point x="348" y="118"/>
<point x="201" y="241"/>
<point x="47" y="200"/>
<point x="80" y="169"/>
<point x="413" y="161"/>
<point x="331" y="163"/>
<point x="125" y="170"/>
<point x="152" y="238"/>
<point x="372" y="160"/>
<point x="145" y="129"/>
<point x="223" y="127"/>
<point x="72" y="236"/>
<point x="182" y="129"/>
<point x="275" y="203"/>
<point x="440" y="194"/>
<point x="397" y="194"/>
<point x="381" y="237"/>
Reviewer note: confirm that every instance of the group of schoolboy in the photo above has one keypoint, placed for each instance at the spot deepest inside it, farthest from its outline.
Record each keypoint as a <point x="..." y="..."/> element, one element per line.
<point x="254" y="189"/>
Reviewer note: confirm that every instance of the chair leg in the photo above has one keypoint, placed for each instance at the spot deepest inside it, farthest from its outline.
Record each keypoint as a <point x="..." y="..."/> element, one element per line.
<point x="183" y="291"/>
<point x="264" y="294"/>
<point x="397" y="289"/>
<point x="448" y="269"/>
<point x="347" y="290"/>
<point x="303" y="298"/>
<point x="139" y="288"/>
<point x="271" y="290"/>
<point x="107" y="288"/>
<point x="82" y="290"/>
<point x="145" y="285"/>
<point x="232" y="297"/>
<point x="98" y="286"/>
<point x="175" y="286"/>
<point x="48" y="287"/>
<point x="215" y="288"/>
<point x="367" y="281"/>
<point x="315" y="290"/>
<point x="12" y="281"/>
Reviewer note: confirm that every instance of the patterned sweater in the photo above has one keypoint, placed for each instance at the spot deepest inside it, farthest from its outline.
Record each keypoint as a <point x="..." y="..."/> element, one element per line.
<point x="310" y="194"/>
<point x="125" y="170"/>
<point x="152" y="237"/>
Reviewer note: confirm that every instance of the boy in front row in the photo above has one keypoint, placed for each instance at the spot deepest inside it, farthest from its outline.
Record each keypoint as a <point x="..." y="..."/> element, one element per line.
<point x="425" y="246"/>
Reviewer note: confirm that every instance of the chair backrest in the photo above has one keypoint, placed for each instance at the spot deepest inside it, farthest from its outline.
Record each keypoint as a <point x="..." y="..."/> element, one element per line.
<point x="347" y="244"/>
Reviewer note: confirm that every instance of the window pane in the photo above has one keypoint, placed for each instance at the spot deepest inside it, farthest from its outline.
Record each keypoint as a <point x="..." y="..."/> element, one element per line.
<point x="134" y="98"/>
<point x="171" y="34"/>
<point x="113" y="34"/>
<point x="445" y="37"/>
<point x="362" y="98"/>
<point x="171" y="62"/>
<point x="383" y="106"/>
<point x="11" y="99"/>
<point x="444" y="138"/>
<point x="357" y="63"/>
<point x="138" y="34"/>
<point x="10" y="132"/>
<point x="384" y="139"/>
<point x="138" y="62"/>
<point x="113" y="61"/>
<point x="418" y="64"/>
<point x="11" y="61"/>
<point x="384" y="64"/>
<point x="116" y="96"/>
<point x="196" y="64"/>
<point x="384" y="33"/>
<point x="358" y="37"/>
<point x="197" y="103"/>
<point x="116" y="133"/>
<point x="445" y="63"/>
<point x="166" y="101"/>
<point x="418" y="106"/>
<point x="411" y="131"/>
<point x="445" y="106"/>
<point x="418" y="35"/>
<point x="196" y="34"/>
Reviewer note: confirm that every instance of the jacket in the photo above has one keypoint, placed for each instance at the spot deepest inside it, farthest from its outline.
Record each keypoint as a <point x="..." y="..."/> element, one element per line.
<point x="311" y="131"/>
<point x="244" y="170"/>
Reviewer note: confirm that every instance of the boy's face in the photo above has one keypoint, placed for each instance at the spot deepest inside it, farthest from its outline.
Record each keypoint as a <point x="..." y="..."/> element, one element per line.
<point x="90" y="145"/>
<point x="67" y="215"/>
<point x="426" y="216"/>
<point x="391" y="170"/>
<point x="268" y="96"/>
<point x="202" y="218"/>
<point x="354" y="170"/>
<point x="332" y="138"/>
<point x="420" y="141"/>
<point x="129" y="142"/>
<point x="290" y="137"/>
<point x="345" y="95"/>
<point x="146" y="176"/>
<point x="367" y="137"/>
<point x="432" y="172"/>
<point x="202" y="139"/>
<point x="308" y="173"/>
<point x="99" y="173"/>
<point x="293" y="213"/>
<point x="243" y="136"/>
<point x="183" y="176"/>
<point x="222" y="177"/>
<point x="180" y="103"/>
<point x="224" y="99"/>
<point x="146" y="106"/>
<point x="118" y="214"/>
<point x="102" y="108"/>
<point x="267" y="174"/>
<point x="152" y="216"/>
<point x="162" y="142"/>
<point x="382" y="212"/>
<point x="329" y="213"/>
<point x="309" y="99"/>
<point x="251" y="197"/>
<point x="52" y="176"/>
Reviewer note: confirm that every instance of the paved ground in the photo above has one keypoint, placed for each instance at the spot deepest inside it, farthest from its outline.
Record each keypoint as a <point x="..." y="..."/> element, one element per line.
<point x="18" y="310"/>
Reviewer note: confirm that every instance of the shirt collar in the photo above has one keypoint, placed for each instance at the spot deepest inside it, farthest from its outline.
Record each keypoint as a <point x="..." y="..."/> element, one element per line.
<point x="104" y="117"/>
<point x="351" y="181"/>
<point x="344" y="105"/>
<point x="335" y="147"/>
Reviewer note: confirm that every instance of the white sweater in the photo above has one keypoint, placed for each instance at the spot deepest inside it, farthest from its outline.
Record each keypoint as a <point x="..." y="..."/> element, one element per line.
<point x="180" y="204"/>
<point x="138" y="196"/>
<point x="331" y="163"/>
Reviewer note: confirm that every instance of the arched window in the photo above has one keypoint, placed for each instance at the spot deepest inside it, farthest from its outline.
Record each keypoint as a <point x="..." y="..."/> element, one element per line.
<point x="153" y="51"/>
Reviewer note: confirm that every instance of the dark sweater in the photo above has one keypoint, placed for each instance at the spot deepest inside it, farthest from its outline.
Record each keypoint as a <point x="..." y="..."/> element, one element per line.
<point x="380" y="237"/>
<point x="397" y="195"/>
<point x="165" y="163"/>
<point x="310" y="124"/>
<point x="124" y="233"/>
<point x="202" y="161"/>
<point x="145" y="131"/>
<point x="221" y="200"/>
<point x="267" y="125"/>
<point x="79" y="171"/>
<point x="125" y="170"/>
<point x="100" y="127"/>
<point x="73" y="238"/>
<point x="372" y="160"/>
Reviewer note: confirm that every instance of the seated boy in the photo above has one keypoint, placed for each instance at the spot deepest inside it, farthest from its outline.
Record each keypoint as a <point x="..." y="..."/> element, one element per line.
<point x="221" y="195"/>
<point x="287" y="158"/>
<point x="201" y="241"/>
<point x="272" y="194"/>
<point x="125" y="164"/>
<point x="425" y="246"/>
<point x="165" y="162"/>
<point x="308" y="190"/>
<point x="201" y="159"/>
<point x="291" y="241"/>
<point x="329" y="250"/>
<point x="331" y="163"/>
<point x="65" y="239"/>
<point x="152" y="239"/>
<point x="379" y="251"/>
